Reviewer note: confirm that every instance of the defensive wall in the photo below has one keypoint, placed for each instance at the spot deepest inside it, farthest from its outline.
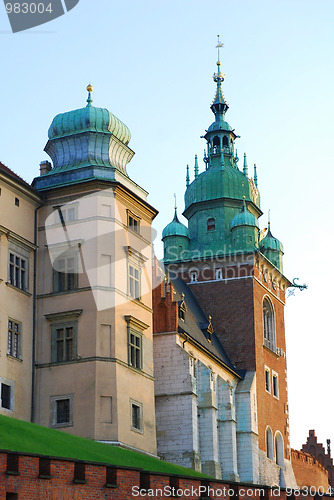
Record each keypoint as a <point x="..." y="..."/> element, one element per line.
<point x="37" y="477"/>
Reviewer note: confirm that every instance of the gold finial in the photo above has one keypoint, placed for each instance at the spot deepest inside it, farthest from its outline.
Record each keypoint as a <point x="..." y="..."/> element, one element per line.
<point x="89" y="90"/>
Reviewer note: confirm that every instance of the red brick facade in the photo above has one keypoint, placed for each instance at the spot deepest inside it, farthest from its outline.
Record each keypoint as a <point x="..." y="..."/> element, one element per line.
<point x="27" y="477"/>
<point x="308" y="471"/>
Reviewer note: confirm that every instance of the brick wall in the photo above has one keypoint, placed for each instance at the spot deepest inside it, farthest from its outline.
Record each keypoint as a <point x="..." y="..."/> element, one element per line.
<point x="308" y="471"/>
<point x="88" y="482"/>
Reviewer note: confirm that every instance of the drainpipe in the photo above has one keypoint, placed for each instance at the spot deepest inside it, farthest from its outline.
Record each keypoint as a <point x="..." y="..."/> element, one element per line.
<point x="34" y="306"/>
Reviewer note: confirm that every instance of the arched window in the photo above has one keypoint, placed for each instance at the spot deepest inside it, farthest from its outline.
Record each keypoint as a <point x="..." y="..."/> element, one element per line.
<point x="269" y="325"/>
<point x="225" y="141"/>
<point x="279" y="449"/>
<point x="269" y="443"/>
<point x="216" y="141"/>
<point x="211" y="224"/>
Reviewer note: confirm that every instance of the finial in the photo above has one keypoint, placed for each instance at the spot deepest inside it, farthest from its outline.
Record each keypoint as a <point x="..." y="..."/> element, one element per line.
<point x="206" y="160"/>
<point x="89" y="90"/>
<point x="245" y="165"/>
<point x="175" y="206"/>
<point x="255" y="175"/>
<point x="196" y="167"/>
<point x="219" y="44"/>
<point x="244" y="208"/>
<point x="187" y="177"/>
<point x="268" y="221"/>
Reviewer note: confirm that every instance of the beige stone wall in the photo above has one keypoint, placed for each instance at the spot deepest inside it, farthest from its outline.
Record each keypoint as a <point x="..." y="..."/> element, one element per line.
<point x="17" y="236"/>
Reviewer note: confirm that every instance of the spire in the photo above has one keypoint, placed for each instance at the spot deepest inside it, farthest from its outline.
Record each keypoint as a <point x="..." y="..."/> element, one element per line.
<point x="90" y="90"/>
<point x="175" y="210"/>
<point x="245" y="165"/>
<point x="255" y="175"/>
<point x="219" y="105"/>
<point x="206" y="160"/>
<point x="187" y="177"/>
<point x="196" y="167"/>
<point x="268" y="231"/>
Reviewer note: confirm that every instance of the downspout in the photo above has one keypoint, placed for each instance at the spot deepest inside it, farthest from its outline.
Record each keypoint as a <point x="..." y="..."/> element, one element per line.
<point x="34" y="307"/>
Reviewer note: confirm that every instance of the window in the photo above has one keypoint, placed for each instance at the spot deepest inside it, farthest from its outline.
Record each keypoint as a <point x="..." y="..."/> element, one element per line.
<point x="269" y="325"/>
<point x="64" y="333"/>
<point x="211" y="225"/>
<point x="18" y="267"/>
<point x="64" y="343"/>
<point x="279" y="449"/>
<point x="193" y="277"/>
<point x="225" y="141"/>
<point x="65" y="273"/>
<point x="135" y="349"/>
<point x="269" y="443"/>
<point x="136" y="416"/>
<point x="61" y="410"/>
<point x="6" y="392"/>
<point x="267" y="378"/>
<point x="275" y="385"/>
<point x="17" y="202"/>
<point x="134" y="282"/>
<point x="219" y="274"/>
<point x="66" y="213"/>
<point x="133" y="222"/>
<point x="14" y="339"/>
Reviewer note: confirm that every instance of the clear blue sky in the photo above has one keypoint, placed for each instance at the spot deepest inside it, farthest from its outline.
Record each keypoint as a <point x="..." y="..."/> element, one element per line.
<point x="151" y="64"/>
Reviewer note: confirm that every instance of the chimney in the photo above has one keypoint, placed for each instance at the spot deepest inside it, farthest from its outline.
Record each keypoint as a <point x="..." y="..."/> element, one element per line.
<point x="44" y="167"/>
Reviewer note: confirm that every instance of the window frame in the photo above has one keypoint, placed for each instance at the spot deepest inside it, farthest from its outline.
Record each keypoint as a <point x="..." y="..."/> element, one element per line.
<point x="268" y="322"/>
<point x="211" y="224"/>
<point x="275" y="384"/>
<point x="267" y="379"/>
<point x="193" y="276"/>
<point x="133" y="291"/>
<point x="139" y="407"/>
<point x="135" y="351"/>
<point x="11" y="384"/>
<point x="73" y="276"/>
<point x="11" y="350"/>
<point x="15" y="270"/>
<point x="219" y="274"/>
<point x="133" y="222"/>
<point x="54" y="411"/>
<point x="66" y="319"/>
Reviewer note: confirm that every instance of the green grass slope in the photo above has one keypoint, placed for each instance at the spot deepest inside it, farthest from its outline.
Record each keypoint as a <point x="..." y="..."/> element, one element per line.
<point x="16" y="435"/>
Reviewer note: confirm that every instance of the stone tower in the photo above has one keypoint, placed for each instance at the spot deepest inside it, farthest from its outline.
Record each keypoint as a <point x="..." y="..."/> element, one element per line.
<point x="94" y="352"/>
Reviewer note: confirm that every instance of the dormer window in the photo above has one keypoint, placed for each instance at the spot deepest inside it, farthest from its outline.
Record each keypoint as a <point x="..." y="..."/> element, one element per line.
<point x="211" y="225"/>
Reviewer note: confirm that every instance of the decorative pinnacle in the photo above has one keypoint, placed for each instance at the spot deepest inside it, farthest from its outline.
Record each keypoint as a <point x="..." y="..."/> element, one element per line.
<point x="175" y="206"/>
<point x="89" y="90"/>
<point x="187" y="178"/>
<point x="196" y="167"/>
<point x="255" y="175"/>
<point x="245" y="164"/>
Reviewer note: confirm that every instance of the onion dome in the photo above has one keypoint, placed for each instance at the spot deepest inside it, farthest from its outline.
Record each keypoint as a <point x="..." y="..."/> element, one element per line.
<point x="244" y="218"/>
<point x="269" y="242"/>
<point x="175" y="228"/>
<point x="85" y="144"/>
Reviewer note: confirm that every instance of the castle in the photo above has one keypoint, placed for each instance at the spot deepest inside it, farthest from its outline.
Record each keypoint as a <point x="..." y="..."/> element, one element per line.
<point x="189" y="364"/>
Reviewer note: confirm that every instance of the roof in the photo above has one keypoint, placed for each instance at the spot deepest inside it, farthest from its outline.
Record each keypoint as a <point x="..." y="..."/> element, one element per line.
<point x="16" y="177"/>
<point x="195" y="324"/>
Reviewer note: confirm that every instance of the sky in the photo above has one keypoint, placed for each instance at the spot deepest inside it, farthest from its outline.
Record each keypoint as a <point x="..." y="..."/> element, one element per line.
<point x="151" y="64"/>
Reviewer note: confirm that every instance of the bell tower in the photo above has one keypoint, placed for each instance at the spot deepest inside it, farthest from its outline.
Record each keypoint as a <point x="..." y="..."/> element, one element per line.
<point x="237" y="278"/>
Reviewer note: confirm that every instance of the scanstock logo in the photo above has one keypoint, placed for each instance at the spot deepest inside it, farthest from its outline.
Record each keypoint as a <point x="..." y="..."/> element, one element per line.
<point x="24" y="15"/>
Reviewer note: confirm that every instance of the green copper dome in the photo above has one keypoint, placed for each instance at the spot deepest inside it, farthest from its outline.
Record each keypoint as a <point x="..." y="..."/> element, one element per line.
<point x="269" y="242"/>
<point x="175" y="228"/>
<point x="244" y="218"/>
<point x="88" y="119"/>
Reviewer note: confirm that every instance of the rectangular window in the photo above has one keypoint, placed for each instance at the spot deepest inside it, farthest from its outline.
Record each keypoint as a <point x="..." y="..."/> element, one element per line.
<point x="136" y="416"/>
<point x="133" y="222"/>
<point x="61" y="410"/>
<point x="64" y="343"/>
<point x="134" y="282"/>
<point x="6" y="396"/>
<point x="267" y="375"/>
<point x="14" y="339"/>
<point x="275" y="385"/>
<point x="66" y="213"/>
<point x="65" y="274"/>
<point x="18" y="267"/>
<point x="135" y="350"/>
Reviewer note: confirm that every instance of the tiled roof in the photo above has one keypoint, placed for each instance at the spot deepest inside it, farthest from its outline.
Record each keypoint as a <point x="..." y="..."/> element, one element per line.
<point x="195" y="324"/>
<point x="16" y="177"/>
